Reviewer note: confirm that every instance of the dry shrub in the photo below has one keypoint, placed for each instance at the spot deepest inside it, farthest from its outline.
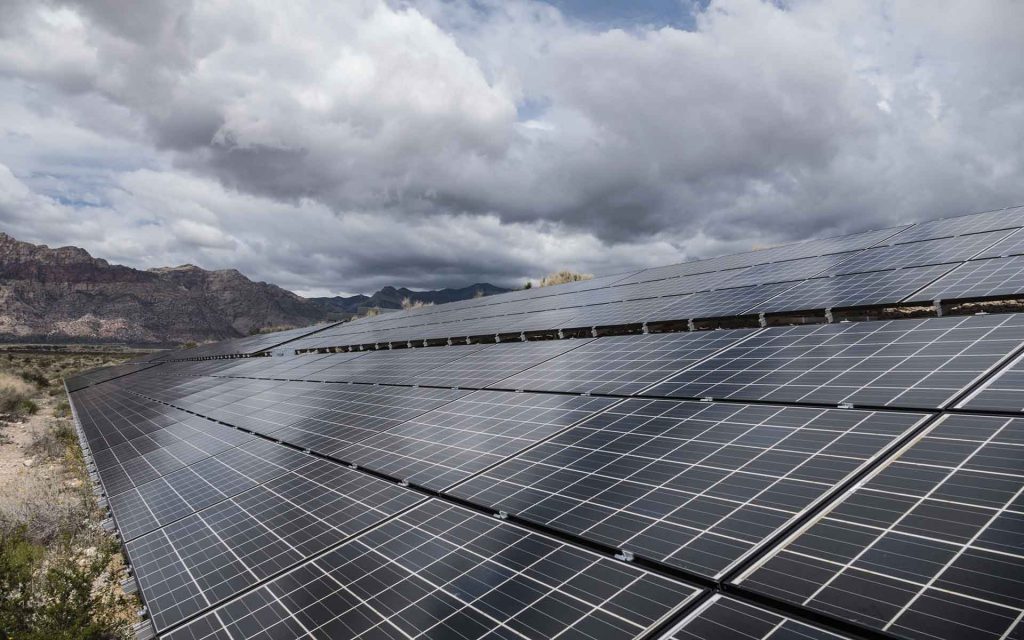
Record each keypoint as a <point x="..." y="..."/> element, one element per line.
<point x="45" y="509"/>
<point x="16" y="395"/>
<point x="563" y="277"/>
<point x="52" y="439"/>
<point x="408" y="303"/>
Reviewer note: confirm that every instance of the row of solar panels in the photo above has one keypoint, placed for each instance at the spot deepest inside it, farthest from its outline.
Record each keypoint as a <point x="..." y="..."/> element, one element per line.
<point x="902" y="265"/>
<point x="233" y="535"/>
<point x="914" y="363"/>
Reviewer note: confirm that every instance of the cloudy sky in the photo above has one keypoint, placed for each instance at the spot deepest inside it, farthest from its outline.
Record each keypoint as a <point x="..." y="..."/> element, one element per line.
<point x="338" y="146"/>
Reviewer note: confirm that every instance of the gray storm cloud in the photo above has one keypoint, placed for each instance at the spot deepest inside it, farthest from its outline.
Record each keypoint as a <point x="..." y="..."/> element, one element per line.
<point x="344" y="146"/>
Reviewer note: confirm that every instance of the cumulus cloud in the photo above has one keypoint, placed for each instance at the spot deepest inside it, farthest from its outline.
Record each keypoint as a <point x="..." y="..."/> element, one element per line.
<point x="344" y="146"/>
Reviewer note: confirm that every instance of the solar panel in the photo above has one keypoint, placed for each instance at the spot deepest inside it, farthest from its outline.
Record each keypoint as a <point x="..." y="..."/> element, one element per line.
<point x="616" y="313"/>
<point x="468" y="435"/>
<point x="102" y="374"/>
<point x="327" y="418"/>
<point x="244" y="346"/>
<point x="928" y="546"/>
<point x="396" y="366"/>
<point x="150" y="456"/>
<point x="693" y="485"/>
<point x="440" y="571"/>
<point x="724" y="618"/>
<point x="676" y="285"/>
<point x="540" y="321"/>
<point x="821" y="486"/>
<point x="919" y="363"/>
<point x="151" y="505"/>
<point x="960" y="225"/>
<point x="977" y="279"/>
<point x="857" y="290"/>
<point x="1001" y="392"/>
<point x="1013" y="245"/>
<point x="622" y="365"/>
<point x="807" y="249"/>
<point x="191" y="564"/>
<point x="109" y="418"/>
<point x="494" y="363"/>
<point x="787" y="271"/>
<point x="723" y="302"/>
<point x="917" y="254"/>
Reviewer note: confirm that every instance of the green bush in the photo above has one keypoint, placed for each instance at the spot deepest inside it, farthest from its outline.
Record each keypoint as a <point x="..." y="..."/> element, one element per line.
<point x="59" y="593"/>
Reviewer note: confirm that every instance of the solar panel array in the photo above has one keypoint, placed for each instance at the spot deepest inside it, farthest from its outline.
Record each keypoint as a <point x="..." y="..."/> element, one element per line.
<point x="831" y="480"/>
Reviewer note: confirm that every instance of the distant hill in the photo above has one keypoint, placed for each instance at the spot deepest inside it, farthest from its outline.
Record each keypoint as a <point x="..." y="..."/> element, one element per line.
<point x="391" y="298"/>
<point x="66" y="295"/>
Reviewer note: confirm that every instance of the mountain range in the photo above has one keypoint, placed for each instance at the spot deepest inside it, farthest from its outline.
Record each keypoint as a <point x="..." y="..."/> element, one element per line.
<point x="66" y="295"/>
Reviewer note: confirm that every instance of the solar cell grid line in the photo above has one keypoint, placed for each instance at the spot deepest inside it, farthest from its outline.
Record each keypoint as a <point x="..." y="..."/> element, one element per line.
<point x="725" y="618"/>
<point x="495" y="362"/>
<point x="853" y="290"/>
<point x="916" y="254"/>
<point x="1001" y="392"/>
<point x="622" y="365"/>
<point x="441" y="571"/>
<point x="993" y="277"/>
<point x="1008" y="218"/>
<point x="1012" y="245"/>
<point x="914" y="363"/>
<point x="464" y="437"/>
<point x="929" y="545"/>
<point x="692" y="485"/>
<point x="151" y="505"/>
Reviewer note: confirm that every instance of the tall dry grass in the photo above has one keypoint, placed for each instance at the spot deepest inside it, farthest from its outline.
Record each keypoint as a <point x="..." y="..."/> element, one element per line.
<point x="563" y="277"/>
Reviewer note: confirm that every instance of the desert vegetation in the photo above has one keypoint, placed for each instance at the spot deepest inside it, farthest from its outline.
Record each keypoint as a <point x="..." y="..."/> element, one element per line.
<point x="60" y="572"/>
<point x="409" y="303"/>
<point x="560" y="277"/>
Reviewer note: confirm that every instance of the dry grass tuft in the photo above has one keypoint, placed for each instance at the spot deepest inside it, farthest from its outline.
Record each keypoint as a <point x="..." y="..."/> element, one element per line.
<point x="563" y="277"/>
<point x="408" y="303"/>
<point x="16" y="395"/>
